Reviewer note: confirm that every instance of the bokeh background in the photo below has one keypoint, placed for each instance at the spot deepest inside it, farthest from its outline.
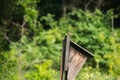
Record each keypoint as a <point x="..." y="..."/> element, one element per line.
<point x="31" y="34"/>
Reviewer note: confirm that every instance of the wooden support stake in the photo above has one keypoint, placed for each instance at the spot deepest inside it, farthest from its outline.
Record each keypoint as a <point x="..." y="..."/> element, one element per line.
<point x="65" y="57"/>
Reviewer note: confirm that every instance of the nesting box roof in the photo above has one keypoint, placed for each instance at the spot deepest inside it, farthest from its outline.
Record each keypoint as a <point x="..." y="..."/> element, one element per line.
<point x="81" y="49"/>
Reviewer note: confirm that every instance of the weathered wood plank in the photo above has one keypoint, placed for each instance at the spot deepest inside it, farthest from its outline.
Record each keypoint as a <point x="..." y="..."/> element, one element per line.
<point x="73" y="58"/>
<point x="67" y="49"/>
<point x="76" y="61"/>
<point x="65" y="57"/>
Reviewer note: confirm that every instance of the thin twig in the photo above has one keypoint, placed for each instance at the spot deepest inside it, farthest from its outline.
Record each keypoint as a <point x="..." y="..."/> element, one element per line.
<point x="20" y="52"/>
<point x="64" y="8"/>
<point x="16" y="24"/>
<point x="20" y="65"/>
<point x="22" y="28"/>
<point x="112" y="23"/>
<point x="86" y="6"/>
<point x="99" y="3"/>
<point x="7" y="38"/>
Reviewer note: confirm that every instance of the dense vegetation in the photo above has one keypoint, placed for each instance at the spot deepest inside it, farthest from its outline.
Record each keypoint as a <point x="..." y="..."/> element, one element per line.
<point x="31" y="33"/>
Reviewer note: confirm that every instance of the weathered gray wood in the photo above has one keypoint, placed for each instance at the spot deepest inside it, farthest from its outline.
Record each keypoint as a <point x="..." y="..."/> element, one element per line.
<point x="67" y="49"/>
<point x="76" y="61"/>
<point x="73" y="58"/>
<point x="65" y="56"/>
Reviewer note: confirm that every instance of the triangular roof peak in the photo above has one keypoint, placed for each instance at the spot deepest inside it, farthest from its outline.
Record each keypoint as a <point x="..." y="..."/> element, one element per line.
<point x="81" y="49"/>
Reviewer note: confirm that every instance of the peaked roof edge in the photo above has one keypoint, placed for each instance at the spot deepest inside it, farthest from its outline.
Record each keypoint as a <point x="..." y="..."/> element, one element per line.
<point x="81" y="49"/>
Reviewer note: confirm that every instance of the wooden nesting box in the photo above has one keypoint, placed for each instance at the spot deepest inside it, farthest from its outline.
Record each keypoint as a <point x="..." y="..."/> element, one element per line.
<point x="73" y="58"/>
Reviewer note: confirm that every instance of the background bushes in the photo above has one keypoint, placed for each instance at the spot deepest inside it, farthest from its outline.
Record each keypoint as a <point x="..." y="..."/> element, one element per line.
<point x="31" y="42"/>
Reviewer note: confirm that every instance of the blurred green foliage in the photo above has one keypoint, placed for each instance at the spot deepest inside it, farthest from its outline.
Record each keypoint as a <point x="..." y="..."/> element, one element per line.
<point x="36" y="54"/>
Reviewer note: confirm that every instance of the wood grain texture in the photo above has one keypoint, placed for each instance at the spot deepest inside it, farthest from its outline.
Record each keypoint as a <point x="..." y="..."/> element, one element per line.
<point x="65" y="57"/>
<point x="76" y="61"/>
<point x="67" y="49"/>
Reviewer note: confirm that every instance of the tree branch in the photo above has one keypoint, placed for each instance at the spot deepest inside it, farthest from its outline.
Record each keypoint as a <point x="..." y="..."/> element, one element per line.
<point x="22" y="28"/>
<point x="64" y="8"/>
<point x="99" y="2"/>
<point x="86" y="6"/>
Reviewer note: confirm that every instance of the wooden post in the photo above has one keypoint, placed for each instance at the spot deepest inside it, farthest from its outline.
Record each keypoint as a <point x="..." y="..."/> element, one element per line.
<point x="73" y="58"/>
<point x="65" y="57"/>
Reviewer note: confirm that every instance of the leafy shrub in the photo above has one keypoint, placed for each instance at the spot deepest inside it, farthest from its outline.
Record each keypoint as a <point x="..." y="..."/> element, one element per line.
<point x="38" y="56"/>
